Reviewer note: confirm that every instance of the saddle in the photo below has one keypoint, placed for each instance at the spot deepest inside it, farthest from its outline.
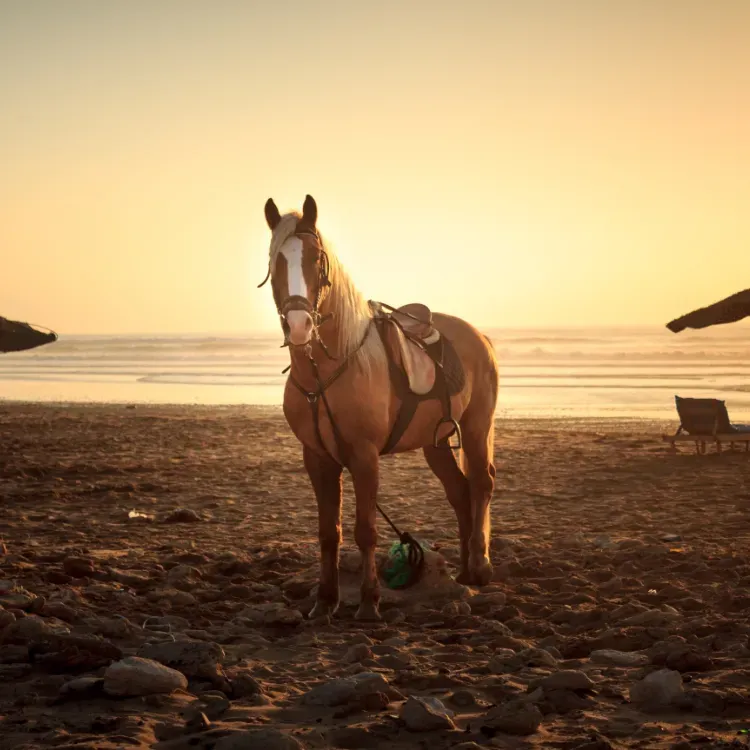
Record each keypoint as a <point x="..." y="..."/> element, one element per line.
<point x="431" y="366"/>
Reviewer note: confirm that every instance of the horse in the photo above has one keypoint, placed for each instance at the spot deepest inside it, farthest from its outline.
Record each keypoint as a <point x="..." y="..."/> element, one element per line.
<point x="364" y="365"/>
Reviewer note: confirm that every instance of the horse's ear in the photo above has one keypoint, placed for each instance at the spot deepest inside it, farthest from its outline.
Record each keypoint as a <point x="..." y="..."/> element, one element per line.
<point x="310" y="211"/>
<point x="273" y="217"/>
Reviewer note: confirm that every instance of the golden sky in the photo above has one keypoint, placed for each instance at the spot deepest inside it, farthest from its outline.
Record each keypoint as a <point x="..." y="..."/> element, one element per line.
<point x="538" y="163"/>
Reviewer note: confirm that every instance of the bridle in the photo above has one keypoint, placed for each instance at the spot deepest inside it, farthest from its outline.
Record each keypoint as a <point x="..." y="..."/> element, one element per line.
<point x="297" y="302"/>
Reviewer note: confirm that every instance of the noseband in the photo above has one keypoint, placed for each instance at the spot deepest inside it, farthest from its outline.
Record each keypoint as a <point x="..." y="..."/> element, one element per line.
<point x="297" y="302"/>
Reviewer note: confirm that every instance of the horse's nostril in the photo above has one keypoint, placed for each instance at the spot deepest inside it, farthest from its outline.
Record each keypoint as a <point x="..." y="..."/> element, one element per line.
<point x="308" y="324"/>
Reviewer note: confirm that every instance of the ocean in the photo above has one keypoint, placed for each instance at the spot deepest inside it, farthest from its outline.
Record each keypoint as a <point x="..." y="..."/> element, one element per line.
<point x="562" y="372"/>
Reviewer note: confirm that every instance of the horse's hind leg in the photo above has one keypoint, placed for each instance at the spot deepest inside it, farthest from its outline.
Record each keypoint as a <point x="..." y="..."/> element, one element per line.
<point x="477" y="446"/>
<point x="325" y="476"/>
<point x="443" y="464"/>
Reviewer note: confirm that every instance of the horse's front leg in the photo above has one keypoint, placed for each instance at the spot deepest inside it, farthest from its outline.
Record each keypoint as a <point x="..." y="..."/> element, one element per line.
<point x="325" y="475"/>
<point x="364" y="470"/>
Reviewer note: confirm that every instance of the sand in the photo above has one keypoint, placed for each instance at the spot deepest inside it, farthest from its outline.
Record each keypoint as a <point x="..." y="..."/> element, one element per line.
<point x="188" y="535"/>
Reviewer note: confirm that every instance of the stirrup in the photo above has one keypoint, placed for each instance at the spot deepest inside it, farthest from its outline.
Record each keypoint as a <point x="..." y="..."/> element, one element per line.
<point x="456" y="431"/>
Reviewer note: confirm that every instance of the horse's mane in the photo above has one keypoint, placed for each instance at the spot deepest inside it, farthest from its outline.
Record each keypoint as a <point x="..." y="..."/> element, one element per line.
<point x="352" y="312"/>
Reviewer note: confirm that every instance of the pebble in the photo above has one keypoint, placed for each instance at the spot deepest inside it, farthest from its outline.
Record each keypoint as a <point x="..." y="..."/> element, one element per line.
<point x="137" y="676"/>
<point x="651" y="617"/>
<point x="81" y="688"/>
<point x="78" y="567"/>
<point x="567" y="679"/>
<point x="192" y="658"/>
<point x="339" y="691"/>
<point x="357" y="653"/>
<point x="514" y="717"/>
<point x="657" y="690"/>
<point x="272" y="613"/>
<point x="180" y="515"/>
<point x="610" y="657"/>
<point x="426" y="714"/>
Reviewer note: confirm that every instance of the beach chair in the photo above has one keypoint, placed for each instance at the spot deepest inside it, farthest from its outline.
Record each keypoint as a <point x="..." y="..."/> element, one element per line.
<point x="706" y="419"/>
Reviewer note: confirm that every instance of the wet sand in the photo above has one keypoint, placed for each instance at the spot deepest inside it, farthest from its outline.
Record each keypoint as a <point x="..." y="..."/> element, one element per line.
<point x="187" y="535"/>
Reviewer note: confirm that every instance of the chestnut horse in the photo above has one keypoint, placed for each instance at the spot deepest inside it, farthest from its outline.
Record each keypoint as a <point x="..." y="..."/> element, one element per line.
<point x="340" y="358"/>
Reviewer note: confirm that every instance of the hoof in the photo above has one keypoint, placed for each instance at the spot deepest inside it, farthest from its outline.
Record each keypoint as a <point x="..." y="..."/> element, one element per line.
<point x="464" y="577"/>
<point x="323" y="609"/>
<point x="368" y="612"/>
<point x="482" y="575"/>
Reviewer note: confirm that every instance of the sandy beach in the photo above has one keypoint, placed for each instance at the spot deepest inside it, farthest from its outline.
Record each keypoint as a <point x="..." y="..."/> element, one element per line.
<point x="618" y="616"/>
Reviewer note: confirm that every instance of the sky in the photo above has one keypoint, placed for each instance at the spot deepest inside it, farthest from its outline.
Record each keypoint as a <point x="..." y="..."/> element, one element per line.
<point x="533" y="163"/>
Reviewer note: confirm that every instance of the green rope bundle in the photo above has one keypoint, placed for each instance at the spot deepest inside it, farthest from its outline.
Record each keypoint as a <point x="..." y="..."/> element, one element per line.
<point x="405" y="563"/>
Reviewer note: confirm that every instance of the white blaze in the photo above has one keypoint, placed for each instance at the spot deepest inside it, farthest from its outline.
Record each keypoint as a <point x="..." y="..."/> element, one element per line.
<point x="292" y="251"/>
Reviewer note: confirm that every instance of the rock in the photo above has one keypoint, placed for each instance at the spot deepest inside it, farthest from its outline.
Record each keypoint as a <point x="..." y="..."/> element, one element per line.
<point x="688" y="659"/>
<point x="536" y="657"/>
<point x="455" y="609"/>
<point x="33" y="628"/>
<point x="243" y="684"/>
<point x="650" y="618"/>
<point x="564" y="701"/>
<point x="192" y="658"/>
<point x="183" y="574"/>
<point x="566" y="679"/>
<point x="168" y="730"/>
<point x="82" y="688"/>
<point x="354" y="738"/>
<point x="18" y="599"/>
<point x="6" y="618"/>
<point x="180" y="515"/>
<point x="657" y="690"/>
<point x="212" y="703"/>
<point x="357" y="653"/>
<point x="514" y="717"/>
<point x="198" y="722"/>
<point x="503" y="660"/>
<point x="272" y="613"/>
<point x="610" y="657"/>
<point x="426" y="714"/>
<point x="342" y="690"/>
<point x="173" y="596"/>
<point x="78" y="567"/>
<point x="489" y="601"/>
<point x="135" y="675"/>
<point x="465" y="699"/>
<point x="60" y="611"/>
<point x="259" y="739"/>
<point x="493" y="626"/>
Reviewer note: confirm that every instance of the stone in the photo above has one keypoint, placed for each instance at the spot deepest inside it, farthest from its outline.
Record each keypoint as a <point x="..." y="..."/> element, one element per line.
<point x="650" y="618"/>
<point x="180" y="515"/>
<point x="342" y="690"/>
<point x="657" y="690"/>
<point x="567" y="679"/>
<point x="425" y="715"/>
<point x="82" y="688"/>
<point x="192" y="658"/>
<point x="78" y="567"/>
<point x="272" y="613"/>
<point x="33" y="628"/>
<point x="135" y="675"/>
<point x="612" y="658"/>
<point x="357" y="653"/>
<point x="515" y="717"/>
